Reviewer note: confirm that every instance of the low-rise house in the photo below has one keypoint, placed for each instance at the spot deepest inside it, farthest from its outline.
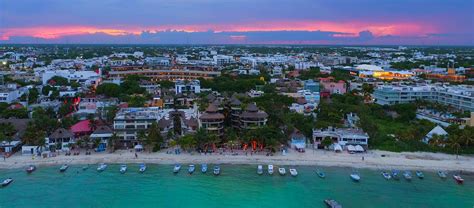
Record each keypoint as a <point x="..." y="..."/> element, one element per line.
<point x="61" y="139"/>
<point x="435" y="131"/>
<point x="102" y="133"/>
<point x="297" y="140"/>
<point x="341" y="136"/>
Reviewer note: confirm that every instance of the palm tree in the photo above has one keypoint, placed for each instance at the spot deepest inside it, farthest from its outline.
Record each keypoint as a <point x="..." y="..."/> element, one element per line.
<point x="455" y="143"/>
<point x="112" y="142"/>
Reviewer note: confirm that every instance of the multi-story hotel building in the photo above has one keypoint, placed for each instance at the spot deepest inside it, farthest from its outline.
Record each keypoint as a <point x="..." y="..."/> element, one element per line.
<point x="460" y="96"/>
<point x="252" y="117"/>
<point x="212" y="121"/>
<point x="167" y="73"/>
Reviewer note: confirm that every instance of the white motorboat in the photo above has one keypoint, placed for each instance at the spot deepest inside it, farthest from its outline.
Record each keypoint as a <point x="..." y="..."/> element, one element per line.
<point x="191" y="169"/>
<point x="270" y="169"/>
<point x="123" y="169"/>
<point x="176" y="168"/>
<point x="203" y="168"/>
<point x="407" y="175"/>
<point x="442" y="174"/>
<point x="259" y="169"/>
<point x="7" y="182"/>
<point x="282" y="171"/>
<point x="101" y="167"/>
<point x="142" y="168"/>
<point x="30" y="169"/>
<point x="420" y="174"/>
<point x="293" y="172"/>
<point x="63" y="168"/>
<point x="355" y="176"/>
<point x="458" y="178"/>
<point x="386" y="175"/>
<point x="217" y="170"/>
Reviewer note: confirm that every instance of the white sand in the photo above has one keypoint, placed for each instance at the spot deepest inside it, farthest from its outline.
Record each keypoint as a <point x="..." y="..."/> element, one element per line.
<point x="372" y="159"/>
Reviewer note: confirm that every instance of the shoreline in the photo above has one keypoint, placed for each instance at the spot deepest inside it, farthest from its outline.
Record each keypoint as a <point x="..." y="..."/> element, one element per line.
<point x="372" y="160"/>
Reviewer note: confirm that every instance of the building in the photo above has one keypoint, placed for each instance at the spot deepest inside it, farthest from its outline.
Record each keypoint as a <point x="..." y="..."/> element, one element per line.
<point x="252" y="118"/>
<point x="311" y="85"/>
<point x="297" y="140"/>
<point x="235" y="111"/>
<point x="435" y="131"/>
<point x="341" y="136"/>
<point x="102" y="133"/>
<point x="183" y="86"/>
<point x="181" y="72"/>
<point x="88" y="78"/>
<point x="460" y="96"/>
<point x="8" y="95"/>
<point x="61" y="139"/>
<point x="222" y="59"/>
<point x="332" y="87"/>
<point x="212" y="121"/>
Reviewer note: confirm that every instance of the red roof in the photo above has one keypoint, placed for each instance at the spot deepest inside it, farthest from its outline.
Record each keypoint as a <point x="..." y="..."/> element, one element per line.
<point x="81" y="127"/>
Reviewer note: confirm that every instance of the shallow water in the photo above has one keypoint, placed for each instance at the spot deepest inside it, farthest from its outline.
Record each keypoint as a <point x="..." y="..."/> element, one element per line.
<point x="237" y="186"/>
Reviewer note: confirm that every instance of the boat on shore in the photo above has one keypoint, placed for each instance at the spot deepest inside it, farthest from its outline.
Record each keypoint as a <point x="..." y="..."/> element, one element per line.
<point x="203" y="168"/>
<point x="355" y="176"/>
<point x="30" y="169"/>
<point x="142" y="168"/>
<point x="320" y="173"/>
<point x="407" y="175"/>
<point x="458" y="178"/>
<point x="442" y="174"/>
<point x="63" y="168"/>
<point x="217" y="170"/>
<point x="123" y="169"/>
<point x="259" y="169"/>
<point x="176" y="168"/>
<point x="270" y="169"/>
<point x="386" y="175"/>
<point x="419" y="174"/>
<point x="7" y="182"/>
<point x="396" y="175"/>
<point x="101" y="167"/>
<point x="331" y="203"/>
<point x="191" y="169"/>
<point x="282" y="171"/>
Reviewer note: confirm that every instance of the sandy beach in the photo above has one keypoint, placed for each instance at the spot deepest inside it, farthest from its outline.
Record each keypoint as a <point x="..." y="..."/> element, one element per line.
<point x="373" y="159"/>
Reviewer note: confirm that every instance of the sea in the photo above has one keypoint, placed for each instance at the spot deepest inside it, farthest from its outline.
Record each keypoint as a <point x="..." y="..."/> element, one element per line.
<point x="236" y="186"/>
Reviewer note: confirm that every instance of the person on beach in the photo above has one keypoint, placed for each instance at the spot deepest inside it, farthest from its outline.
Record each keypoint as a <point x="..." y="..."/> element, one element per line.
<point x="136" y="156"/>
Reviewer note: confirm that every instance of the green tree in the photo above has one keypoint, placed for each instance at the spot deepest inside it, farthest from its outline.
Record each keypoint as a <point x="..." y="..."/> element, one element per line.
<point x="154" y="139"/>
<point x="109" y="89"/>
<point x="327" y="141"/>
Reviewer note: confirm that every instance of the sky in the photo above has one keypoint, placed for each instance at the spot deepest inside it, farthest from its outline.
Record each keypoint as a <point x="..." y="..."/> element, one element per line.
<point x="325" y="22"/>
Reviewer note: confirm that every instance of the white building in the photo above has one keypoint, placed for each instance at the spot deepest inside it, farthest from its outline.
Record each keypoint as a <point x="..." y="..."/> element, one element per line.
<point x="183" y="86"/>
<point x="223" y="59"/>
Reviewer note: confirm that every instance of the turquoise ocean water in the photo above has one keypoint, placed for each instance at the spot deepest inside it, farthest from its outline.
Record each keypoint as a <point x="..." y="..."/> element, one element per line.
<point x="237" y="186"/>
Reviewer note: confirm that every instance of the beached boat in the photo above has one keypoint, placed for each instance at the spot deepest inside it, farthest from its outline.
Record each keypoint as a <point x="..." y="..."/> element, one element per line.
<point x="123" y="169"/>
<point x="7" y="182"/>
<point x="191" y="169"/>
<point x="217" y="170"/>
<point x="30" y="169"/>
<point x="420" y="174"/>
<point x="102" y="167"/>
<point x="458" y="178"/>
<point x="142" y="168"/>
<point x="270" y="169"/>
<point x="203" y="168"/>
<point x="259" y="169"/>
<point x="320" y="173"/>
<point x="386" y="175"/>
<point x="176" y="168"/>
<point x="331" y="203"/>
<point x="293" y="172"/>
<point x="442" y="174"/>
<point x="396" y="175"/>
<point x="282" y="171"/>
<point x="63" y="168"/>
<point x="355" y="176"/>
<point x="407" y="175"/>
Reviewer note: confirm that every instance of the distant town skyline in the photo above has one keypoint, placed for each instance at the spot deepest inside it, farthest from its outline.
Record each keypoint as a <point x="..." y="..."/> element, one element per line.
<point x="340" y="22"/>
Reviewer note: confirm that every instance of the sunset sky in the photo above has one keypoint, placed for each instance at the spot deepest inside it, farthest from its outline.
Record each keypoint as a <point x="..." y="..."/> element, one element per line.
<point x="358" y="22"/>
